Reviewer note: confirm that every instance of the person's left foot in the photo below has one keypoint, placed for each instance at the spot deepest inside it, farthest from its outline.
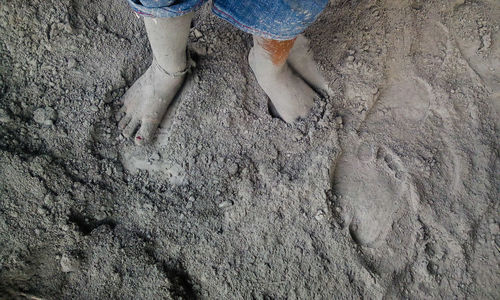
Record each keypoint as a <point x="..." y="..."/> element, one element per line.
<point x="291" y="96"/>
<point x="146" y="102"/>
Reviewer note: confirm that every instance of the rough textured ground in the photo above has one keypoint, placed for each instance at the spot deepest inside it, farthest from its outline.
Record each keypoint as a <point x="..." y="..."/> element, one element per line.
<point x="389" y="190"/>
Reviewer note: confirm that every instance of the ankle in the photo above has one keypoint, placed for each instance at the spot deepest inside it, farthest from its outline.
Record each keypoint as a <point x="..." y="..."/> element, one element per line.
<point x="261" y="63"/>
<point x="158" y="69"/>
<point x="173" y="63"/>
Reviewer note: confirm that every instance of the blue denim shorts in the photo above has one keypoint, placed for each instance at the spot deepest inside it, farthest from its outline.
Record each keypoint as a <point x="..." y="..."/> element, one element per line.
<point x="274" y="19"/>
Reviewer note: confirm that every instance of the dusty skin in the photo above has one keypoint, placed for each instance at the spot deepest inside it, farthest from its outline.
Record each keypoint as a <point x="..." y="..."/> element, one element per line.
<point x="147" y="101"/>
<point x="290" y="95"/>
<point x="387" y="189"/>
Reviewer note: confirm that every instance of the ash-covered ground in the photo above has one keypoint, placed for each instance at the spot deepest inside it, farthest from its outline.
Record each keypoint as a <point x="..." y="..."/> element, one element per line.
<point x="390" y="189"/>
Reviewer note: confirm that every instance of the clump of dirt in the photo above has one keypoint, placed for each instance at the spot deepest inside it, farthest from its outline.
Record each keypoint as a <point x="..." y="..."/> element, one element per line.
<point x="388" y="189"/>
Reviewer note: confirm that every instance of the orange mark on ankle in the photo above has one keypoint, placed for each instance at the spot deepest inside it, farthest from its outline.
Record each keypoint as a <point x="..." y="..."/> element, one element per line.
<point x="278" y="50"/>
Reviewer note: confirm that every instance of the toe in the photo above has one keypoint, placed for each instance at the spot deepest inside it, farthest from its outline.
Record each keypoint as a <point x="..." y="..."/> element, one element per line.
<point x="121" y="113"/>
<point x="124" y="121"/>
<point x="131" y="128"/>
<point x="122" y="110"/>
<point x="145" y="133"/>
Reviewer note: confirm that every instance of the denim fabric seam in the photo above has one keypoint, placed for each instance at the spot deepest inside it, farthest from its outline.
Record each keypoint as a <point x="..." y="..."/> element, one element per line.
<point x="249" y="29"/>
<point x="192" y="8"/>
<point x="176" y="12"/>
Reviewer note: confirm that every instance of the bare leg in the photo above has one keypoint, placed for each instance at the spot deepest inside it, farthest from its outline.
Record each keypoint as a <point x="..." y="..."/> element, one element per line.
<point x="290" y="95"/>
<point x="146" y="102"/>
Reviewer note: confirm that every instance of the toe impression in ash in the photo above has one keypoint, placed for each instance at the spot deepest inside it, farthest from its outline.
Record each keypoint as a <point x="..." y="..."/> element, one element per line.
<point x="291" y="97"/>
<point x="371" y="186"/>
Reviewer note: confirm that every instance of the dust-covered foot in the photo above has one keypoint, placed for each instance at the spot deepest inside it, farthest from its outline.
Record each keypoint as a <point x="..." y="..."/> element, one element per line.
<point x="146" y="102"/>
<point x="302" y="61"/>
<point x="290" y="95"/>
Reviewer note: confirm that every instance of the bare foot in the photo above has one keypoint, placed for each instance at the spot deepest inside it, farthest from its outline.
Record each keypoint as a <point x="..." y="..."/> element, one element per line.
<point x="301" y="60"/>
<point x="290" y="95"/>
<point x="146" y="102"/>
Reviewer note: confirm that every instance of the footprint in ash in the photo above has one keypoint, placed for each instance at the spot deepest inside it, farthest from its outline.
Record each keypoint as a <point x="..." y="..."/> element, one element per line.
<point x="372" y="190"/>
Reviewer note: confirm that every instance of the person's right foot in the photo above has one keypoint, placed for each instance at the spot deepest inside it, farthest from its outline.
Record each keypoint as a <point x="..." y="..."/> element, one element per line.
<point x="146" y="102"/>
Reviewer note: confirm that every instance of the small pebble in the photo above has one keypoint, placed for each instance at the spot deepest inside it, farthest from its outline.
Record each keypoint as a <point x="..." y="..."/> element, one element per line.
<point x="320" y="215"/>
<point x="4" y="116"/>
<point x="65" y="264"/>
<point x="417" y="4"/>
<point x="225" y="204"/>
<point x="45" y="116"/>
<point x="101" y="18"/>
<point x="233" y="169"/>
<point x="68" y="28"/>
<point x="199" y="49"/>
<point x="48" y="199"/>
<point x="156" y="156"/>
<point x="71" y="63"/>
<point x="338" y="120"/>
<point x="197" y="33"/>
